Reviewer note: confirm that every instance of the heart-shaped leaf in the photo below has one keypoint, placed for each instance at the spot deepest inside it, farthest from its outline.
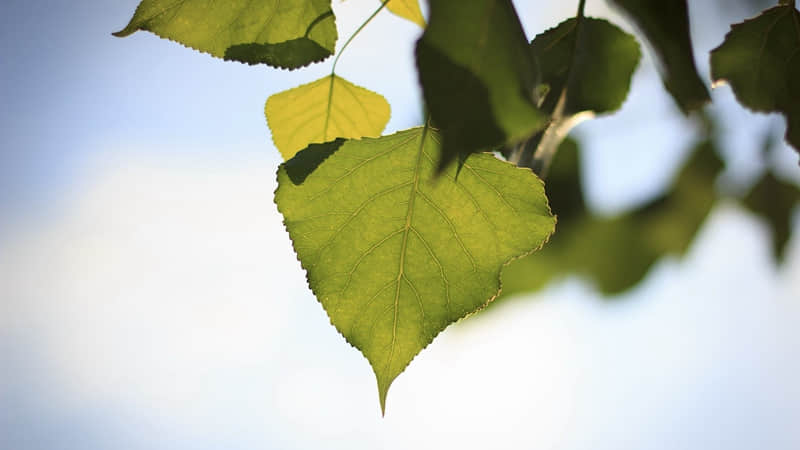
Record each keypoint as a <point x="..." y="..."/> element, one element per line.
<point x="395" y="254"/>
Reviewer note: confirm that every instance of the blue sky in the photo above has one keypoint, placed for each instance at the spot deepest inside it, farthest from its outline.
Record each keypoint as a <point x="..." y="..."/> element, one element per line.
<point x="149" y="296"/>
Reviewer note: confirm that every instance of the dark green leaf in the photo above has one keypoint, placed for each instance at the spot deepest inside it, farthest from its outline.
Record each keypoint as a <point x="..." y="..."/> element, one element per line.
<point x="760" y="58"/>
<point x="287" y="35"/>
<point x="395" y="254"/>
<point x="665" y="23"/>
<point x="589" y="60"/>
<point x="478" y="76"/>
<point x="774" y="200"/>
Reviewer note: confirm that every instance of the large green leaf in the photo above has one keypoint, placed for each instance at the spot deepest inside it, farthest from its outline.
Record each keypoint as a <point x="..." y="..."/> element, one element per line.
<point x="580" y="82"/>
<point x="407" y="9"/>
<point x="281" y="34"/>
<point x="666" y="25"/>
<point x="395" y="254"/>
<point x="760" y="58"/>
<point x="615" y="252"/>
<point x="328" y="108"/>
<point x="478" y="76"/>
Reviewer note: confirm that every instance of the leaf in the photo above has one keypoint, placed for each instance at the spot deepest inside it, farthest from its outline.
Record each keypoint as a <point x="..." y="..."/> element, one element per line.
<point x="665" y="23"/>
<point x="760" y="58"/>
<point x="407" y="9"/>
<point x="574" y="63"/>
<point x="774" y="200"/>
<point x="320" y="111"/>
<point x="478" y="76"/>
<point x="393" y="254"/>
<point x="287" y="35"/>
<point x="617" y="252"/>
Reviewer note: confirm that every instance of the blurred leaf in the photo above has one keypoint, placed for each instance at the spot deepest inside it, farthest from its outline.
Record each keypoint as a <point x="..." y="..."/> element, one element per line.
<point x="774" y="200"/>
<point x="615" y="253"/>
<point x="478" y="76"/>
<point x="587" y="65"/>
<point x="665" y="23"/>
<point x="395" y="256"/>
<point x="407" y="9"/>
<point x="760" y="58"/>
<point x="328" y="108"/>
<point x="287" y="35"/>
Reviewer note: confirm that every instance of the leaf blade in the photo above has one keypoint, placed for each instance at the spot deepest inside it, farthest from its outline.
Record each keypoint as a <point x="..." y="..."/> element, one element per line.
<point x="322" y="110"/>
<point x="760" y="59"/>
<point x="395" y="256"/>
<point x="666" y="25"/>
<point x="407" y="9"/>
<point x="289" y="37"/>
<point x="478" y="76"/>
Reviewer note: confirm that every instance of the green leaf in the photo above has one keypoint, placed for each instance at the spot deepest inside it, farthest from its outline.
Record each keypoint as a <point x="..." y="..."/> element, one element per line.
<point x="478" y="76"/>
<point x="395" y="254"/>
<point x="760" y="58"/>
<point x="774" y="200"/>
<point x="287" y="35"/>
<point x="665" y="23"/>
<point x="574" y="63"/>
<point x="574" y="59"/>
<point x="407" y="9"/>
<point x="615" y="252"/>
<point x="318" y="112"/>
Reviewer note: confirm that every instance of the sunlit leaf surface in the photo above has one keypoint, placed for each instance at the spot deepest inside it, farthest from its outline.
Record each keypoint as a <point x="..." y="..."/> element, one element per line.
<point x="395" y="254"/>
<point x="281" y="34"/>
<point x="407" y="9"/>
<point x="323" y="110"/>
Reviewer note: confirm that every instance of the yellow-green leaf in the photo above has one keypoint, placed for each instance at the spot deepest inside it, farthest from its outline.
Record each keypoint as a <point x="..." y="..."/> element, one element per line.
<point x="288" y="34"/>
<point x="407" y="9"/>
<point x="323" y="110"/>
<point x="396" y="254"/>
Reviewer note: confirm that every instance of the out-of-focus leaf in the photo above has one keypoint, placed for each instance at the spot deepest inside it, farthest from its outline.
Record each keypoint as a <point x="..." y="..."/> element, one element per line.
<point x="407" y="9"/>
<point x="774" y="200"/>
<point x="615" y="253"/>
<point x="586" y="65"/>
<point x="760" y="58"/>
<point x="395" y="254"/>
<point x="287" y="35"/>
<point x="665" y="23"/>
<point x="328" y="108"/>
<point x="478" y="76"/>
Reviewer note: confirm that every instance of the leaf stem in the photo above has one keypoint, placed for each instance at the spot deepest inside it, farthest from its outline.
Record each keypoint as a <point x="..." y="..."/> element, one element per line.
<point x="355" y="33"/>
<point x="582" y="6"/>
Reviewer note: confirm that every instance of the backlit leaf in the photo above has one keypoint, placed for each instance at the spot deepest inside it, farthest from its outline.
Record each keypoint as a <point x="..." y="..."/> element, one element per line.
<point x="478" y="76"/>
<point x="407" y="9"/>
<point x="395" y="254"/>
<point x="328" y="108"/>
<point x="282" y="34"/>
<point x="760" y="58"/>
<point x="665" y="23"/>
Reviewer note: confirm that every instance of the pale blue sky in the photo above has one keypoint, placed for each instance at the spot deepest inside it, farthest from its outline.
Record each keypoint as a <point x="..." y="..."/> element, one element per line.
<point x="150" y="299"/>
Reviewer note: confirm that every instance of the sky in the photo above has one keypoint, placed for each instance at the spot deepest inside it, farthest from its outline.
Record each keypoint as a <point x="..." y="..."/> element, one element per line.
<point x="150" y="297"/>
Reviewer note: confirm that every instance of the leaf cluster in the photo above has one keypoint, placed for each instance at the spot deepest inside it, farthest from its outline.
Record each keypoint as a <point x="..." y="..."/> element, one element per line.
<point x="401" y="235"/>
